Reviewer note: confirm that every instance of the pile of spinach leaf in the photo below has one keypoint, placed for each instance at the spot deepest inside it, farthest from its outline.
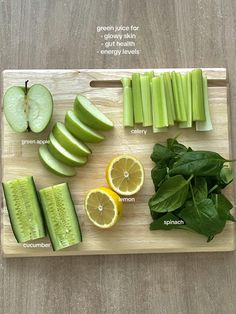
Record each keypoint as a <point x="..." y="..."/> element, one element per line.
<point x="188" y="189"/>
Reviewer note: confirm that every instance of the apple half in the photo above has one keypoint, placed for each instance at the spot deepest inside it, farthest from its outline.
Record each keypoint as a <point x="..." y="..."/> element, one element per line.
<point x="28" y="109"/>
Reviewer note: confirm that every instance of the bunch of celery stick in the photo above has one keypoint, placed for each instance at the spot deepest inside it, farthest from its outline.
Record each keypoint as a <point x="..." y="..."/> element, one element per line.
<point x="166" y="99"/>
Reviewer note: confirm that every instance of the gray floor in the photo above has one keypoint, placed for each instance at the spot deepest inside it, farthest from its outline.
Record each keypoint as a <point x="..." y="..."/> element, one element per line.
<point x="62" y="34"/>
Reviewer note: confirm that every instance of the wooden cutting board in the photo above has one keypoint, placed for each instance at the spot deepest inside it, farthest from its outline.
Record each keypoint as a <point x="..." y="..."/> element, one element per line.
<point x="131" y="234"/>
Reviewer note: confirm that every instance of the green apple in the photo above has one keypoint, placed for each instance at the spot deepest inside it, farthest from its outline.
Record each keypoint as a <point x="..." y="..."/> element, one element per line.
<point x="68" y="141"/>
<point x="54" y="165"/>
<point x="91" y="115"/>
<point x="63" y="155"/>
<point x="80" y="130"/>
<point x="28" y="108"/>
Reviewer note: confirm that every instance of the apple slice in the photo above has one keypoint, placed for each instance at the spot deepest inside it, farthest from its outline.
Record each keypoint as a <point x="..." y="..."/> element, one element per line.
<point x="90" y="115"/>
<point x="28" y="108"/>
<point x="63" y="155"/>
<point x="80" y="130"/>
<point x="68" y="141"/>
<point x="54" y="165"/>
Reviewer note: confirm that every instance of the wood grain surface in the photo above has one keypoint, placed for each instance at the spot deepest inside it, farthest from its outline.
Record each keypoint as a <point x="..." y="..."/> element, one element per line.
<point x="131" y="234"/>
<point x="173" y="33"/>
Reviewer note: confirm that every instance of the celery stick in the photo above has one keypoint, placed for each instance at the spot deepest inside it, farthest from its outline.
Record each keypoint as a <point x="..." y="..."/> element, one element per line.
<point x="150" y="74"/>
<point x="178" y="97"/>
<point x="126" y="82"/>
<point x="187" y="90"/>
<point x="128" y="111"/>
<point x="159" y="130"/>
<point x="160" y="117"/>
<point x="207" y="124"/>
<point x="181" y="98"/>
<point x="156" y="95"/>
<point x="146" y="100"/>
<point x="197" y="93"/>
<point x="163" y="98"/>
<point x="168" y="102"/>
<point x="137" y="98"/>
<point x="169" y="94"/>
<point x="175" y="94"/>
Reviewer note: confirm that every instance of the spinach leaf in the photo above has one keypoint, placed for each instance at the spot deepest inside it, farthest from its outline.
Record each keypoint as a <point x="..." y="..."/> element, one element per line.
<point x="225" y="177"/>
<point x="167" y="222"/>
<point x="158" y="174"/>
<point x="171" y="195"/>
<point x="203" y="218"/>
<point x="156" y="215"/>
<point x="161" y="153"/>
<point x="211" y="182"/>
<point x="198" y="200"/>
<point x="198" y="163"/>
<point x="231" y="218"/>
<point x="223" y="206"/>
<point x="175" y="146"/>
<point x="200" y="190"/>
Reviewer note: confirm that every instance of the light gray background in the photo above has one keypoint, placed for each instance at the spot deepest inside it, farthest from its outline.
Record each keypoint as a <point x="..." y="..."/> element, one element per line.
<point x="62" y="34"/>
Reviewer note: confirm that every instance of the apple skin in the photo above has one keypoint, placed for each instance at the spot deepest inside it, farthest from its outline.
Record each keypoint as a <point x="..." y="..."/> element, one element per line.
<point x="63" y="155"/>
<point x="81" y="131"/>
<point x="90" y="115"/>
<point x="54" y="165"/>
<point x="69" y="142"/>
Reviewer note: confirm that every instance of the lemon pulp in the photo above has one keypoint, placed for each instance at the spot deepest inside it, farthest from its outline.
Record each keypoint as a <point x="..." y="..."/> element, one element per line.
<point x="125" y="175"/>
<point x="103" y="207"/>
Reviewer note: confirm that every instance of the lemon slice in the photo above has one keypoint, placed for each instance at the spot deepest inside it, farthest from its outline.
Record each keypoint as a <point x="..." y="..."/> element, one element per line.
<point x="125" y="175"/>
<point x="103" y="207"/>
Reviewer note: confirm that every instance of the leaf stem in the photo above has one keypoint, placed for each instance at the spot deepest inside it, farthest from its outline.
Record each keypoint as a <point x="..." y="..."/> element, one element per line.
<point x="190" y="178"/>
<point x="230" y="160"/>
<point x="194" y="201"/>
<point x="213" y="188"/>
<point x="217" y="197"/>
